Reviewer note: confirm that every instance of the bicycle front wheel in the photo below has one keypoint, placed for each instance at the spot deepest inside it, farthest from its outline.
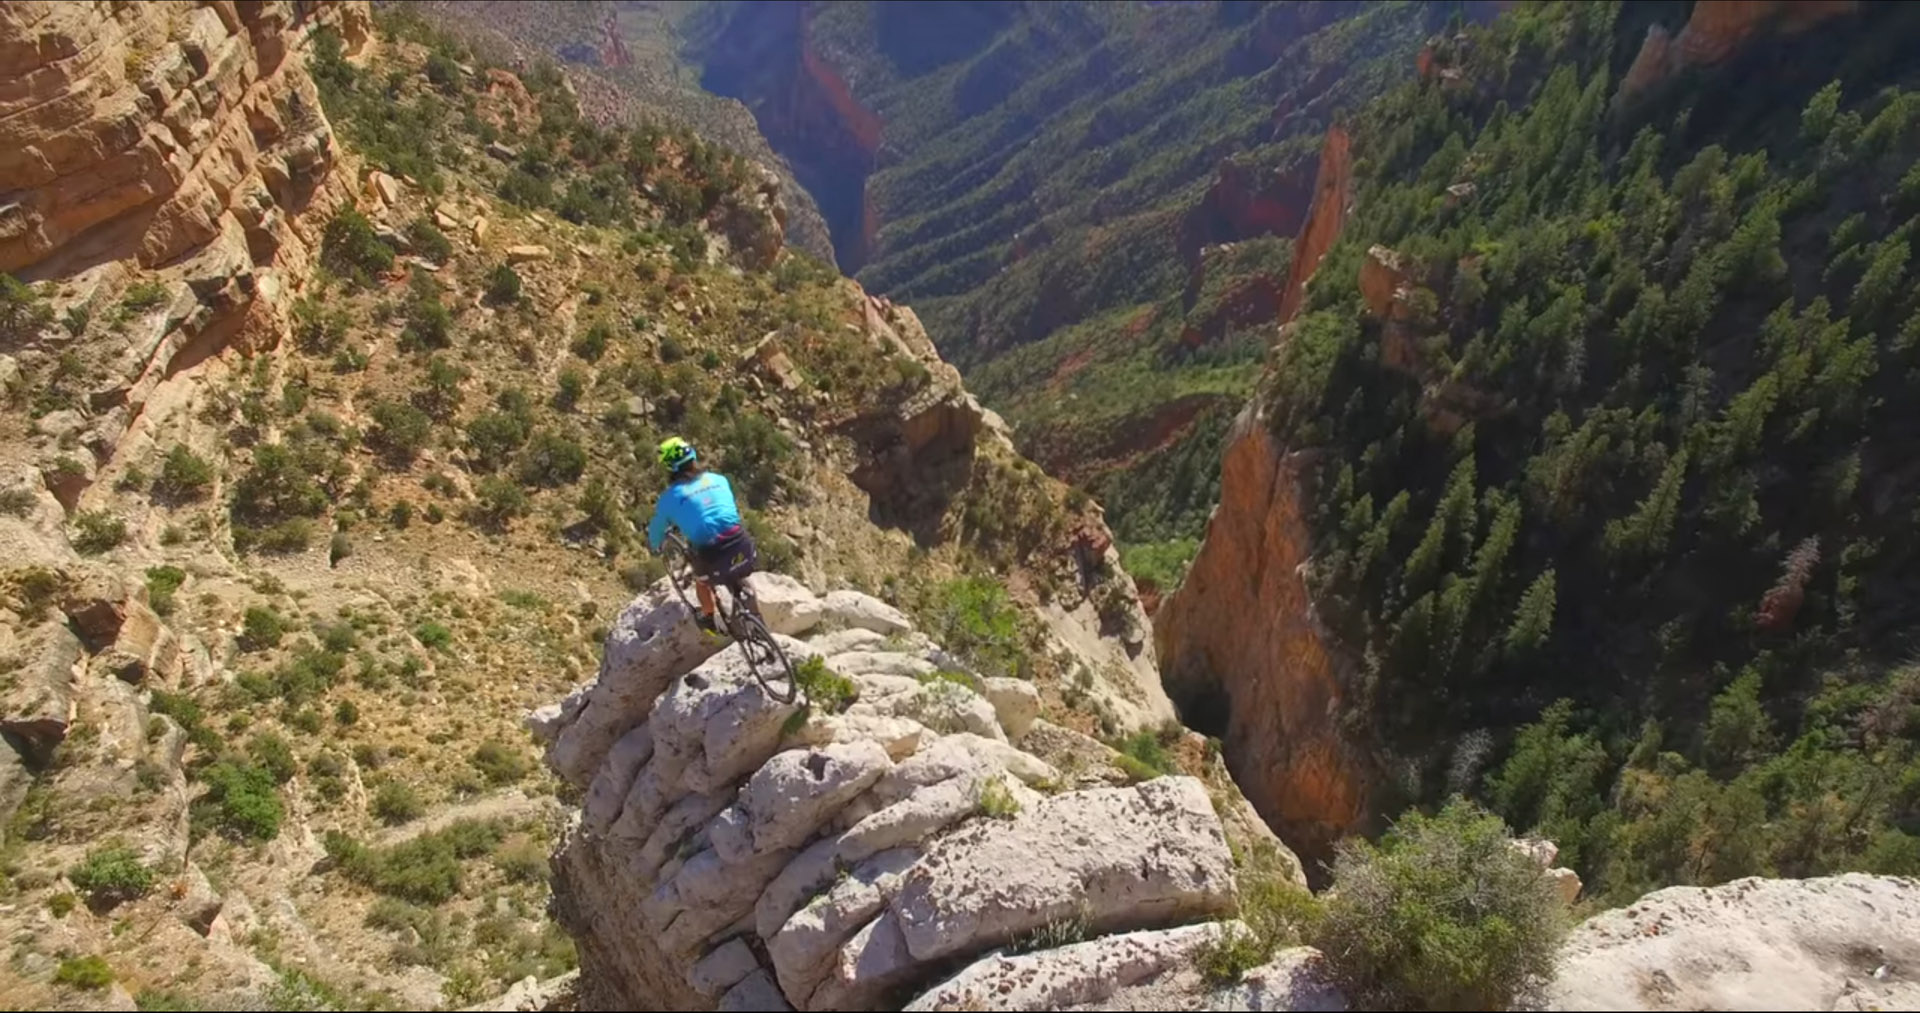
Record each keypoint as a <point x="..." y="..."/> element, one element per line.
<point x="766" y="660"/>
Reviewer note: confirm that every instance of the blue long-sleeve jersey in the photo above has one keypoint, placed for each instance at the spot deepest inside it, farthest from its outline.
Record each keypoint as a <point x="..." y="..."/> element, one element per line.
<point x="702" y="509"/>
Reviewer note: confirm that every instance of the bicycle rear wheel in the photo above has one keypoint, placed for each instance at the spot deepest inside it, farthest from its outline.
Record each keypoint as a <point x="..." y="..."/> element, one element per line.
<point x="765" y="658"/>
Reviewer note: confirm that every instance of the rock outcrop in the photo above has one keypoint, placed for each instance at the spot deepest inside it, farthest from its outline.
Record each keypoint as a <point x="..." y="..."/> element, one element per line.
<point x="1716" y="31"/>
<point x="738" y="853"/>
<point x="1841" y="943"/>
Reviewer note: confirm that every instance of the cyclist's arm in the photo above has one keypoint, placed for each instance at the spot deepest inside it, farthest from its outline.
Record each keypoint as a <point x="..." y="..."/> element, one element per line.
<point x="657" y="527"/>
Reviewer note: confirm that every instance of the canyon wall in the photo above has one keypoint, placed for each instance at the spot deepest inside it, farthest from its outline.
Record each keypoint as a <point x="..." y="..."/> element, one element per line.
<point x="1241" y="651"/>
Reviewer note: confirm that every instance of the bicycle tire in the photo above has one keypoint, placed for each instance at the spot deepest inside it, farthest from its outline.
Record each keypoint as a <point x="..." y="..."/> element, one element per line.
<point x="771" y="661"/>
<point x="680" y="573"/>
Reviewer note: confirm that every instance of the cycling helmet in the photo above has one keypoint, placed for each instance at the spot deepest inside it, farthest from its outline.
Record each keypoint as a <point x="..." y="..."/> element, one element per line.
<point x="676" y="453"/>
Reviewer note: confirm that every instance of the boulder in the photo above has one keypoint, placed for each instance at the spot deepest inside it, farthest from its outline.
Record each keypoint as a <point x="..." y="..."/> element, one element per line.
<point x="805" y="946"/>
<point x="1295" y="979"/>
<point x="652" y="642"/>
<point x="199" y="903"/>
<point x="790" y="797"/>
<point x="724" y="968"/>
<point x="1082" y="973"/>
<point x="852" y="608"/>
<point x="37" y="703"/>
<point x="786" y="604"/>
<point x="528" y="253"/>
<point x="1840" y="942"/>
<point x="1016" y="702"/>
<point x="1113" y="858"/>
<point x="144" y="647"/>
<point x="872" y="964"/>
<point x="756" y="992"/>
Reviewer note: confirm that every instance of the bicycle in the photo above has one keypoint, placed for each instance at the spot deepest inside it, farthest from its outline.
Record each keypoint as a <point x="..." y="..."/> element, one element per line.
<point x="739" y="614"/>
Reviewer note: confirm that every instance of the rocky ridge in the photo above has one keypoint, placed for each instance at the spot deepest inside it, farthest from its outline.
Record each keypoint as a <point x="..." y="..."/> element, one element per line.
<point x="736" y="853"/>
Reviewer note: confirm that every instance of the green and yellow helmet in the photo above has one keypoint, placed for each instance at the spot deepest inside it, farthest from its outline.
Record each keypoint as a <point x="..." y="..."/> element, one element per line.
<point x="676" y="453"/>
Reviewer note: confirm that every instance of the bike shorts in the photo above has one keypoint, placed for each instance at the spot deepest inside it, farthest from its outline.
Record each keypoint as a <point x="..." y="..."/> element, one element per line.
<point x="729" y="560"/>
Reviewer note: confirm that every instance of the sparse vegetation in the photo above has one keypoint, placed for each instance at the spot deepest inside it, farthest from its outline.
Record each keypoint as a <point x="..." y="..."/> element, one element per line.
<point x="397" y="802"/>
<point x="162" y="582"/>
<point x="241" y="801"/>
<point x="500" y="763"/>
<point x="996" y="801"/>
<point x="112" y="874"/>
<point x="261" y="629"/>
<point x="349" y="248"/>
<point x="90" y="973"/>
<point x="503" y="285"/>
<point x="97" y="531"/>
<point x="185" y="475"/>
<point x="424" y="870"/>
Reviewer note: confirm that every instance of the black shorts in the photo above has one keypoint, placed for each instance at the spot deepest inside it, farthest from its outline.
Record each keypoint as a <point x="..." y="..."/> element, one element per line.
<point x="728" y="560"/>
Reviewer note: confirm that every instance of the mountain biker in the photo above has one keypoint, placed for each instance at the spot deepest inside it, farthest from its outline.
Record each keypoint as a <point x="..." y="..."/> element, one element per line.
<point x="700" y="503"/>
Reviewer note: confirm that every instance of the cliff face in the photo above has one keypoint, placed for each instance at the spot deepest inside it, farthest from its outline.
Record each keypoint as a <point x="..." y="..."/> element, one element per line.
<point x="1241" y="652"/>
<point x="807" y="110"/>
<point x="1716" y="31"/>
<point x="738" y="853"/>
<point x="157" y="128"/>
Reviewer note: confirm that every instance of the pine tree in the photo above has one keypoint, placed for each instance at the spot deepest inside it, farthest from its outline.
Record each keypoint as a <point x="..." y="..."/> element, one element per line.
<point x="1533" y="620"/>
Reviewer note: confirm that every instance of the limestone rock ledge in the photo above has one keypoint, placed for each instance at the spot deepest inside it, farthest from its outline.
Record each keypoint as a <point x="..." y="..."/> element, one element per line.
<point x="735" y="853"/>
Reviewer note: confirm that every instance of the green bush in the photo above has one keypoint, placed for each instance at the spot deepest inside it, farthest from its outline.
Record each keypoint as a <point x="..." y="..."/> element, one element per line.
<point x="400" y="514"/>
<point x="400" y="431"/>
<point x="425" y="870"/>
<point x="241" y="802"/>
<point x="434" y="635"/>
<point x="261" y="629"/>
<point x="552" y="460"/>
<point x="23" y="313"/>
<point x="185" y="475"/>
<point x="396" y="802"/>
<point x="500" y="763"/>
<point x="90" y="973"/>
<point x="572" y="384"/>
<point x="98" y="531"/>
<point x="497" y="502"/>
<point x="350" y="249"/>
<point x="162" y="582"/>
<point x="493" y="437"/>
<point x="503" y="285"/>
<point x="318" y="330"/>
<point x="18" y="501"/>
<point x="524" y="862"/>
<point x="825" y="689"/>
<point x="592" y="343"/>
<point x="1441" y="914"/>
<point x="167" y="1000"/>
<point x="429" y="241"/>
<point x="974" y="618"/>
<point x="110" y="875"/>
<point x="274" y="755"/>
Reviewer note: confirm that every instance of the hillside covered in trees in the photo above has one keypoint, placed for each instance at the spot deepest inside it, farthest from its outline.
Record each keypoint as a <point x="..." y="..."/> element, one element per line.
<point x="1609" y="393"/>
<point x="1091" y="205"/>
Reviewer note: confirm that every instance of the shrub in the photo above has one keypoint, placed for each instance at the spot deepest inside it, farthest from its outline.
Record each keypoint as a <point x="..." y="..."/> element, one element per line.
<point x="592" y="343"/>
<point x="318" y="330"/>
<point x="185" y="474"/>
<point x="429" y="241"/>
<point x="98" y="531"/>
<point x="973" y="617"/>
<point x="826" y="689"/>
<point x="996" y="800"/>
<point x="350" y="249"/>
<point x="1441" y="914"/>
<point x="400" y="431"/>
<point x="18" y="501"/>
<point x="339" y="548"/>
<point x="523" y="862"/>
<point x="241" y="802"/>
<point x="162" y="582"/>
<point x="572" y="384"/>
<point x="261" y="628"/>
<point x="111" y="874"/>
<point x="346" y="712"/>
<point x="493" y="437"/>
<point x="400" y="514"/>
<point x="397" y="802"/>
<point x="91" y="973"/>
<point x="498" y="502"/>
<point x="433" y="635"/>
<point x="285" y="538"/>
<point x="22" y="312"/>
<point x="274" y="755"/>
<point x="425" y="870"/>
<point x="552" y="460"/>
<point x="500" y="763"/>
<point x="503" y="285"/>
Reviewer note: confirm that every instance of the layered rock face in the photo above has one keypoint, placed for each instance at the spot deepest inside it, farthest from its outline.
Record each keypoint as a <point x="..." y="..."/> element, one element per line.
<point x="1717" y="30"/>
<point x="737" y="853"/>
<point x="155" y="128"/>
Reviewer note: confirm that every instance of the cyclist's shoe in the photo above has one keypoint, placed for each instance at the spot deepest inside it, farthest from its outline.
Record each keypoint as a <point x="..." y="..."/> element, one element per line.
<point x="707" y="625"/>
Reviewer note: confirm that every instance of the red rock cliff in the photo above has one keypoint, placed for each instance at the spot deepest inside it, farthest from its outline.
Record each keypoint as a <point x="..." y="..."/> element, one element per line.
<point x="1717" y="30"/>
<point x="1240" y="648"/>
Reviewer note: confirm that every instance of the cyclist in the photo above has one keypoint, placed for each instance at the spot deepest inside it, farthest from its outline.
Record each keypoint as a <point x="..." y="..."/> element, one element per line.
<point x="700" y="503"/>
